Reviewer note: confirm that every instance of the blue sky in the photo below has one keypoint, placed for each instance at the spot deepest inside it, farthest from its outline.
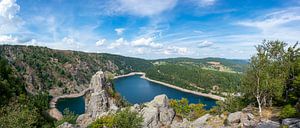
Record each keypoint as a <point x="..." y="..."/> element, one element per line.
<point x="151" y="29"/>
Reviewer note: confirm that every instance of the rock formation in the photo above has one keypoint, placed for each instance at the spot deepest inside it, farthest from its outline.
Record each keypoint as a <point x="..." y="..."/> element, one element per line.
<point x="157" y="113"/>
<point x="98" y="103"/>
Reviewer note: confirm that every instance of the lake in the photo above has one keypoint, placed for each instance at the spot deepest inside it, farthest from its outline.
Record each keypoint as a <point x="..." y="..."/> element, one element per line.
<point x="75" y="105"/>
<point x="138" y="90"/>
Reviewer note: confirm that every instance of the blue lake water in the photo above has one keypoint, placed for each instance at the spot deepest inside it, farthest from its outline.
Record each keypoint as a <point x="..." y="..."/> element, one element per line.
<point x="75" y="105"/>
<point x="137" y="90"/>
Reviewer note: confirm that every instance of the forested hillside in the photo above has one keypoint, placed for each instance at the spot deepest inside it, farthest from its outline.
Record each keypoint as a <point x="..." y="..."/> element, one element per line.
<point x="59" y="71"/>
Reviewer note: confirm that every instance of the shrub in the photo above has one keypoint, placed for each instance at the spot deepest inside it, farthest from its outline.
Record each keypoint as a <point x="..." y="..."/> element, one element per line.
<point x="69" y="117"/>
<point x="127" y="119"/>
<point x="231" y="104"/>
<point x="186" y="110"/>
<point x="104" y="121"/>
<point x="122" y="119"/>
<point x="288" y="111"/>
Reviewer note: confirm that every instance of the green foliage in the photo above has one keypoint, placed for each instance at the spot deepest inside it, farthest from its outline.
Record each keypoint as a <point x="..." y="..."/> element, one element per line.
<point x="16" y="115"/>
<point x="127" y="119"/>
<point x="10" y="85"/>
<point x="186" y="110"/>
<point x="104" y="121"/>
<point x="180" y="75"/>
<point x="25" y="112"/>
<point x="122" y="119"/>
<point x="69" y="117"/>
<point x="288" y="111"/>
<point x="231" y="104"/>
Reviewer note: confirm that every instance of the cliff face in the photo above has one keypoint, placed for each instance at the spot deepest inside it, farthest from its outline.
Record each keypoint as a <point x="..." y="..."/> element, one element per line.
<point x="98" y="103"/>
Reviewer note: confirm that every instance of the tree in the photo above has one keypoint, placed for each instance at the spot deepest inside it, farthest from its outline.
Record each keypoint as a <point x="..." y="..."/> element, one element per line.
<point x="265" y="78"/>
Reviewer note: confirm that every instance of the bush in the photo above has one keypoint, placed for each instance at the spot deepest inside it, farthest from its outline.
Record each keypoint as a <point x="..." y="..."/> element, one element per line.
<point x="231" y="104"/>
<point x="122" y="119"/>
<point x="288" y="111"/>
<point x="104" y="121"/>
<point x="127" y="119"/>
<point x="69" y="117"/>
<point x="186" y="110"/>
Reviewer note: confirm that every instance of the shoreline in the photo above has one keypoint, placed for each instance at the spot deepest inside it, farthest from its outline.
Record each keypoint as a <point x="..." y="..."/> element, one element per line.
<point x="54" y="112"/>
<point x="211" y="96"/>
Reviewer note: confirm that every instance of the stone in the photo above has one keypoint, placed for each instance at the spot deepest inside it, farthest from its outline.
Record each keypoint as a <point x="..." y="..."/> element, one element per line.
<point x="200" y="121"/>
<point x="166" y="115"/>
<point x="159" y="101"/>
<point x="98" y="103"/>
<point x="250" y="116"/>
<point x="184" y="124"/>
<point x="290" y="121"/>
<point x="268" y="124"/>
<point x="66" y="125"/>
<point x="234" y="117"/>
<point x="157" y="112"/>
<point x="150" y="115"/>
<point x="96" y="81"/>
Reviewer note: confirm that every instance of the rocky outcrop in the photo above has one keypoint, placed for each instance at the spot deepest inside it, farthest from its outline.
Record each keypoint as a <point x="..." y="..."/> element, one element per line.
<point x="157" y="113"/>
<point x="98" y="103"/>
<point x="234" y="117"/>
<point x="291" y="122"/>
<point x="201" y="121"/>
<point x="268" y="124"/>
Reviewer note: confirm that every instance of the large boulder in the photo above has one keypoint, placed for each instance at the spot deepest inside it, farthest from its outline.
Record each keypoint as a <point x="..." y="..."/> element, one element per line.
<point x="290" y="121"/>
<point x="151" y="117"/>
<point x="234" y="117"/>
<point x="268" y="124"/>
<point x="157" y="112"/>
<point x="200" y="122"/>
<point x="166" y="115"/>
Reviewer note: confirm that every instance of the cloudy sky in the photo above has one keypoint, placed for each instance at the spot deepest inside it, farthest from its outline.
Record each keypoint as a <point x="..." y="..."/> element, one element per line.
<point x="151" y="28"/>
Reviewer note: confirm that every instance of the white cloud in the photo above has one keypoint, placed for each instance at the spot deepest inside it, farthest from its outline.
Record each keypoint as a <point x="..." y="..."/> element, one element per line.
<point x="205" y="44"/>
<point x="146" y="42"/>
<point x="278" y="25"/>
<point x="145" y="7"/>
<point x="175" y="50"/>
<point x="69" y="40"/>
<point x="120" y="31"/>
<point x="118" y="43"/>
<point x="9" y="9"/>
<point x="100" y="42"/>
<point x="274" y="19"/>
<point x="8" y="39"/>
<point x="204" y="3"/>
<point x="9" y="21"/>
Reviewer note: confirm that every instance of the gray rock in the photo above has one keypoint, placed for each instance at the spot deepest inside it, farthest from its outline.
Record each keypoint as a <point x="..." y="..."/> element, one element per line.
<point x="166" y="115"/>
<point x="250" y="116"/>
<point x="97" y="101"/>
<point x="66" y="125"/>
<point x="150" y="115"/>
<point x="234" y="117"/>
<point x="268" y="124"/>
<point x="290" y="121"/>
<point x="157" y="112"/>
<point x="159" y="101"/>
<point x="201" y="121"/>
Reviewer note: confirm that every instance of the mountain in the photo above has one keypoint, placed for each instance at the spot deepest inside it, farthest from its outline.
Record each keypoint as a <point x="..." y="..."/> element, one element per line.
<point x="63" y="71"/>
